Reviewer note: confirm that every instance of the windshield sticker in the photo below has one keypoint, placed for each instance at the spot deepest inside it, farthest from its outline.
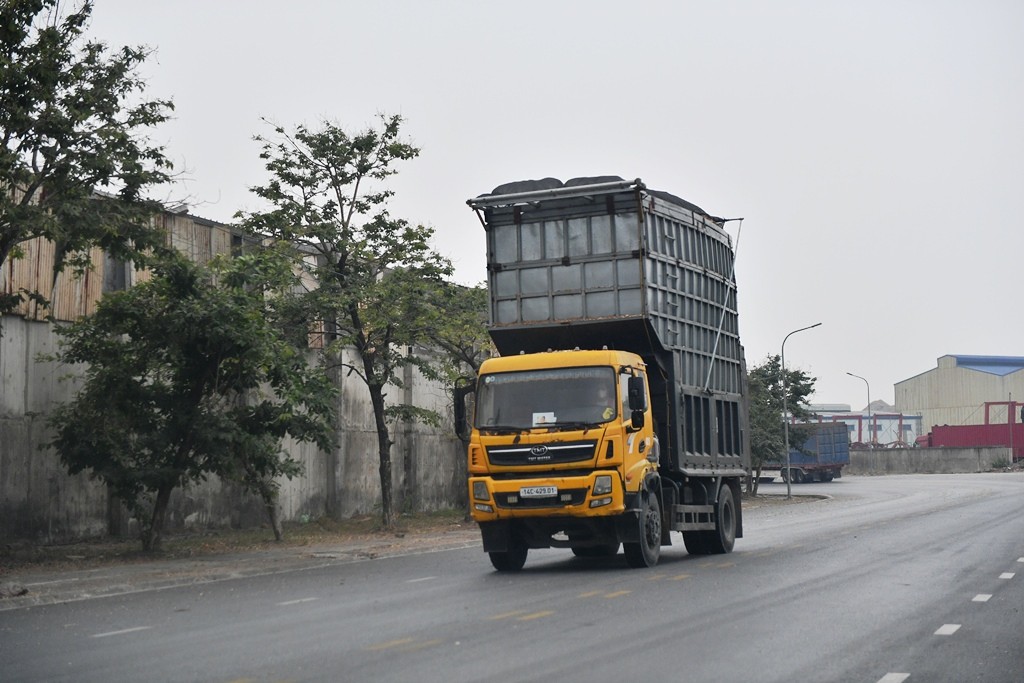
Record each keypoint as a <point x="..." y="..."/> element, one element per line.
<point x="543" y="419"/>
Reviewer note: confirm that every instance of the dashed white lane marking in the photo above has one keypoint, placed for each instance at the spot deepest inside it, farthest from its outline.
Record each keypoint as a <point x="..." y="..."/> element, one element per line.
<point x="982" y="597"/>
<point x="121" y="632"/>
<point x="948" y="629"/>
<point x="1007" y="575"/>
<point x="1020" y="559"/>
<point x="295" y="602"/>
<point x="425" y="578"/>
<point x="893" y="678"/>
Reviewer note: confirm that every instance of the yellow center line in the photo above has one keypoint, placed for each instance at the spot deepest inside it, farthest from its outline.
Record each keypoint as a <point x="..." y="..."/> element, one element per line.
<point x="536" y="615"/>
<point x="390" y="644"/>
<point x="506" y="615"/>
<point x="415" y="647"/>
<point x="680" y="577"/>
<point x="617" y="594"/>
<point x="590" y="594"/>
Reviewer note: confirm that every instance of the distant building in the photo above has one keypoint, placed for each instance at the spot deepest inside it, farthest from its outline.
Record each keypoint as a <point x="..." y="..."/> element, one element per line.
<point x="965" y="390"/>
<point x="882" y="425"/>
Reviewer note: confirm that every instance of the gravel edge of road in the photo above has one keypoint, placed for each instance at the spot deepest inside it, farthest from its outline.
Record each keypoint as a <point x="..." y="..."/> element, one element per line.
<point x="41" y="584"/>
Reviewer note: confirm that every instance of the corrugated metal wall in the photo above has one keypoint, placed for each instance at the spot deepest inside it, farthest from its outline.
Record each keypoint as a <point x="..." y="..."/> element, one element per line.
<point x="76" y="294"/>
<point x="952" y="395"/>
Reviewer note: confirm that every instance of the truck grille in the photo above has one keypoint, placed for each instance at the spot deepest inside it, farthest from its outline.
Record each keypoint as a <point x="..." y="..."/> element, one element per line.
<point x="541" y="454"/>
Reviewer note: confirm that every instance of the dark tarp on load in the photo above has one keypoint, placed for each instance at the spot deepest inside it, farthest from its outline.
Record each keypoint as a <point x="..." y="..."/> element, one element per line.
<point x="520" y="186"/>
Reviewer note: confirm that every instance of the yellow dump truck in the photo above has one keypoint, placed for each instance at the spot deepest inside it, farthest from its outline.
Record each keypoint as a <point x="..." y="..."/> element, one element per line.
<point x="616" y="412"/>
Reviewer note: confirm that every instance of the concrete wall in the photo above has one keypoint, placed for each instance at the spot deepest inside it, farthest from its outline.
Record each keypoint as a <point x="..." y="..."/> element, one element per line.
<point x="40" y="501"/>
<point x="926" y="460"/>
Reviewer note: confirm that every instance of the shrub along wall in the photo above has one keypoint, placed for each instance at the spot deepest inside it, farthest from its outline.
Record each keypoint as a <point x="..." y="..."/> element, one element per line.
<point x="40" y="501"/>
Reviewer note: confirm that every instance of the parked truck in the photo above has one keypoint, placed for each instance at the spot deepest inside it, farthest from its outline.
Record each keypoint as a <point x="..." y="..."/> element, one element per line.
<point x="822" y="455"/>
<point x="617" y="411"/>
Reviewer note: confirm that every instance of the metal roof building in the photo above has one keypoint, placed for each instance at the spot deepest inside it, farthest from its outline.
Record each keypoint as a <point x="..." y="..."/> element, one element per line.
<point x="957" y="390"/>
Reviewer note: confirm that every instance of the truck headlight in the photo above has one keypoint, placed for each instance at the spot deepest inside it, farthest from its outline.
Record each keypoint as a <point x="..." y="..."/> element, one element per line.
<point x="602" y="484"/>
<point x="480" y="490"/>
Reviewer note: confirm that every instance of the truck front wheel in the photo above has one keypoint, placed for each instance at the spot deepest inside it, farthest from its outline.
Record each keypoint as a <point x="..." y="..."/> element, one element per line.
<point x="511" y="560"/>
<point x="648" y="550"/>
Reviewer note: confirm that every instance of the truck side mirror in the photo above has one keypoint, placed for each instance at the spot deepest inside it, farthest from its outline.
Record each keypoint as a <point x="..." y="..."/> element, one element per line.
<point x="637" y="401"/>
<point x="463" y="387"/>
<point x="637" y="393"/>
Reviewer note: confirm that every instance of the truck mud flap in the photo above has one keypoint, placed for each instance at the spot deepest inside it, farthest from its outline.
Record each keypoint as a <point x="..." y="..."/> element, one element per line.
<point x="496" y="536"/>
<point x="693" y="518"/>
<point x="627" y="526"/>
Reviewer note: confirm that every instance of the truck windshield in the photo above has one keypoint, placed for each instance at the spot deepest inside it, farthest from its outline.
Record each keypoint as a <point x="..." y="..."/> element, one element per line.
<point x="546" y="398"/>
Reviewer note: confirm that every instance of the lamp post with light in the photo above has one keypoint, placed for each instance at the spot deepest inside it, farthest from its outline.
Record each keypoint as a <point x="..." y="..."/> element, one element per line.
<point x="871" y="427"/>
<point x="785" y="409"/>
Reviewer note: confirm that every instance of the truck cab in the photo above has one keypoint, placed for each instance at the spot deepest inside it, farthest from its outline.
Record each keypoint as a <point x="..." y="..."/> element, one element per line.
<point x="561" y="446"/>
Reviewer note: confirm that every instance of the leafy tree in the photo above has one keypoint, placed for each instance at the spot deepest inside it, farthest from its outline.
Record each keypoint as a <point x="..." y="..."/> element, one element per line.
<point x="459" y="329"/>
<point x="767" y="438"/>
<point x="71" y="124"/>
<point x="373" y="272"/>
<point x="185" y="378"/>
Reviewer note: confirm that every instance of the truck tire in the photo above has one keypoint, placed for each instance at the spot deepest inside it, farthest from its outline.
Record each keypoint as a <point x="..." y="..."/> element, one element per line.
<point x="695" y="542"/>
<point x="723" y="538"/>
<point x="511" y="560"/>
<point x="646" y="552"/>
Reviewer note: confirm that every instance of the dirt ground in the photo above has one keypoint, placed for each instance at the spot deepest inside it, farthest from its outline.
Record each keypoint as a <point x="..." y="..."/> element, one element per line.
<point x="358" y="531"/>
<point x="411" y="530"/>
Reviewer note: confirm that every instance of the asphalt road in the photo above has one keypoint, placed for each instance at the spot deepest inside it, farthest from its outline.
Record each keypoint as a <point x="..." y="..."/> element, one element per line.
<point x="900" y="578"/>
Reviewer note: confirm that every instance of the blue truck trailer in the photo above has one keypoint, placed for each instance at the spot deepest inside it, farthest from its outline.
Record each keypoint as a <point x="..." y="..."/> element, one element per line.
<point x="822" y="456"/>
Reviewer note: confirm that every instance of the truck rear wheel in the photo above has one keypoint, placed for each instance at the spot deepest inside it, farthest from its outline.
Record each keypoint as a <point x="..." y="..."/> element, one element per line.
<point x="648" y="550"/>
<point x="723" y="538"/>
<point x="695" y="542"/>
<point x="511" y="560"/>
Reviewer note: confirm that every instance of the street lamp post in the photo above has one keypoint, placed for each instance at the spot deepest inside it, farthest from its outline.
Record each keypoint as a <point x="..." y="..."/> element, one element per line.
<point x="871" y="427"/>
<point x="785" y="409"/>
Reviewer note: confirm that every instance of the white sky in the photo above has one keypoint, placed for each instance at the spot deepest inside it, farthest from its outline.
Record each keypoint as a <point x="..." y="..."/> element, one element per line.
<point x="874" y="148"/>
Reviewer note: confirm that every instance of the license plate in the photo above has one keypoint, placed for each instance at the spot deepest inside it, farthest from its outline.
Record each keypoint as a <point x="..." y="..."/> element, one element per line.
<point x="538" y="491"/>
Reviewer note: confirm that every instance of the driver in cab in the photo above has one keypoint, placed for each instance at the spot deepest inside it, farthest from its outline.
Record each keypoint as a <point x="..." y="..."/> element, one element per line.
<point x="605" y="403"/>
